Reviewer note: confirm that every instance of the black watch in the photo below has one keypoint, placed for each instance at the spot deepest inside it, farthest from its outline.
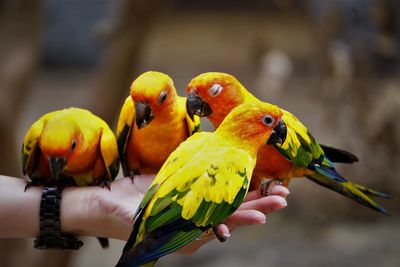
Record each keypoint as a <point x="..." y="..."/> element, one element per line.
<point x="50" y="235"/>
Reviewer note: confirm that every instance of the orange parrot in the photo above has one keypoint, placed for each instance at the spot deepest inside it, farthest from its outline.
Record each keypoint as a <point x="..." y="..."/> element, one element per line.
<point x="70" y="147"/>
<point x="152" y="123"/>
<point x="215" y="94"/>
<point x="201" y="183"/>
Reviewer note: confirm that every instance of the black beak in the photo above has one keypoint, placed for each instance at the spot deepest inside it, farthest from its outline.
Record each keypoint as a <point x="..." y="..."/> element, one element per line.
<point x="195" y="105"/>
<point x="278" y="135"/>
<point x="143" y="114"/>
<point x="57" y="165"/>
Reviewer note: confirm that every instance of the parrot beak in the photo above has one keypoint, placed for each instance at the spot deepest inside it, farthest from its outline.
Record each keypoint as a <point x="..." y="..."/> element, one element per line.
<point x="144" y="114"/>
<point x="57" y="165"/>
<point x="195" y="105"/>
<point x="278" y="135"/>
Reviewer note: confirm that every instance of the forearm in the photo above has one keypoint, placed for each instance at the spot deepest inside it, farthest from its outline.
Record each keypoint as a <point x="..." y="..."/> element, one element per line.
<point x="85" y="211"/>
<point x="19" y="210"/>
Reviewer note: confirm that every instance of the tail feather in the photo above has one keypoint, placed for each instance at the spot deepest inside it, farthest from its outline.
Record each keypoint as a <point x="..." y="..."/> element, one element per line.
<point x="339" y="155"/>
<point x="372" y="192"/>
<point x="128" y="264"/>
<point x="329" y="178"/>
<point x="162" y="241"/>
<point x="149" y="264"/>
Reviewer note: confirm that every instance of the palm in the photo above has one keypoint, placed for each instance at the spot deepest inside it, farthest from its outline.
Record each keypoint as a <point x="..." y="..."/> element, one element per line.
<point x="119" y="206"/>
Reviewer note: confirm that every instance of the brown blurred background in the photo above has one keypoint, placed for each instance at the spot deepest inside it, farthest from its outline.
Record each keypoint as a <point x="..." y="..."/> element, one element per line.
<point x="335" y="64"/>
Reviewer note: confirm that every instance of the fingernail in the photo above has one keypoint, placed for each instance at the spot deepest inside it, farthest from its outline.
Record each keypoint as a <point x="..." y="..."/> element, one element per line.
<point x="287" y="192"/>
<point x="283" y="202"/>
<point x="262" y="219"/>
<point x="226" y="235"/>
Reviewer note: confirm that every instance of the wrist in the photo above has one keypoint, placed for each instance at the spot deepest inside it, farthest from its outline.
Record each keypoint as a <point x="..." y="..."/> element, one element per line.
<point x="50" y="235"/>
<point x="78" y="215"/>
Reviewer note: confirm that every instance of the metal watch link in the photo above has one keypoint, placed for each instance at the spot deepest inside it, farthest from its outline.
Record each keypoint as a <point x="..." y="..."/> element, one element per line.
<point x="50" y="235"/>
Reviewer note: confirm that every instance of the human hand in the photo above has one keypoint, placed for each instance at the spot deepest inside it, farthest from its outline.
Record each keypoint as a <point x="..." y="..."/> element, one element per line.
<point x="103" y="212"/>
<point x="109" y="213"/>
<point x="252" y="211"/>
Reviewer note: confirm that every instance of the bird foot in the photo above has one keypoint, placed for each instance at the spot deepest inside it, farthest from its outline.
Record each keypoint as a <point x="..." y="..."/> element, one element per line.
<point x="36" y="182"/>
<point x="104" y="182"/>
<point x="266" y="187"/>
<point x="133" y="173"/>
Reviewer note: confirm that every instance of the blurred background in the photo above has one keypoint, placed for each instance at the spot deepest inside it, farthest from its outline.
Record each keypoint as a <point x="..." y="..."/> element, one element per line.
<point x="335" y="64"/>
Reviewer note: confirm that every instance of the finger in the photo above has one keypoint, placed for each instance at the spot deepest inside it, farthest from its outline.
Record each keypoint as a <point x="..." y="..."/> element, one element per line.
<point x="278" y="190"/>
<point x="222" y="232"/>
<point x="252" y="195"/>
<point x="265" y="205"/>
<point x="245" y="217"/>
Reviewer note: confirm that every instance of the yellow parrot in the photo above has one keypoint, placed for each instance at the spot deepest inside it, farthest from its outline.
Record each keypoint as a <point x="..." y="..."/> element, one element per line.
<point x="70" y="147"/>
<point x="152" y="123"/>
<point x="202" y="183"/>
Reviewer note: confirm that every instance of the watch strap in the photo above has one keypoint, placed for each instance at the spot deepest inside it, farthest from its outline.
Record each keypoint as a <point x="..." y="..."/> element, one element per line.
<point x="50" y="235"/>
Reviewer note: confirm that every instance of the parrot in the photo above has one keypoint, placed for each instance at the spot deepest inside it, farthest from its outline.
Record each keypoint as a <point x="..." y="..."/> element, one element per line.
<point x="153" y="121"/>
<point x="215" y="94"/>
<point x="70" y="147"/>
<point x="201" y="183"/>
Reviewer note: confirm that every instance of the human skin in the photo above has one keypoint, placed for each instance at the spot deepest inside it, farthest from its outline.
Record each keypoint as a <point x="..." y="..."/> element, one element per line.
<point x="95" y="211"/>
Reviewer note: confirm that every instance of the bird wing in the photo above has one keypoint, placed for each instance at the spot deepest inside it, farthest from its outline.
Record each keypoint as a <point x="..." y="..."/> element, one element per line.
<point x="109" y="152"/>
<point x="192" y="124"/>
<point x="30" y="147"/>
<point x="300" y="146"/>
<point x="124" y="130"/>
<point x="199" y="186"/>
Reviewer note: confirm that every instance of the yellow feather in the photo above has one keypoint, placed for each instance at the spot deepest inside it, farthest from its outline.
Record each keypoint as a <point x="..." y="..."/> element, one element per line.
<point x="54" y="132"/>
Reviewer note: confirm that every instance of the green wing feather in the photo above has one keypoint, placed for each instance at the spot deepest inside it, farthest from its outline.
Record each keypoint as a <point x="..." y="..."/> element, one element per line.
<point x="300" y="146"/>
<point x="202" y="182"/>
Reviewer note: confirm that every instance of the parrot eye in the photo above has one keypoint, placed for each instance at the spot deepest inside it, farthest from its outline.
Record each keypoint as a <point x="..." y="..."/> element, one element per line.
<point x="215" y="90"/>
<point x="73" y="145"/>
<point x="268" y="120"/>
<point x="162" y="97"/>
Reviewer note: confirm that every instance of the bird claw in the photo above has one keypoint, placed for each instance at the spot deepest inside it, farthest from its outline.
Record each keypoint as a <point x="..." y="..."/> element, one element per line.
<point x="266" y="187"/>
<point x="103" y="182"/>
<point x="36" y="182"/>
<point x="133" y="173"/>
<point x="29" y="184"/>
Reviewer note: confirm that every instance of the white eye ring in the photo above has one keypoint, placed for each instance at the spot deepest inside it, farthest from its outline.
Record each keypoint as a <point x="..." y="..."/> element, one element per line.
<point x="268" y="120"/>
<point x="215" y="90"/>
<point x="162" y="97"/>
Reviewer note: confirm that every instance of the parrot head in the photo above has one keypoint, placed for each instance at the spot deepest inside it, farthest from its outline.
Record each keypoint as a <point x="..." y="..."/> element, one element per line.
<point x="59" y="142"/>
<point x="154" y="95"/>
<point x="214" y="94"/>
<point x="256" y="124"/>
